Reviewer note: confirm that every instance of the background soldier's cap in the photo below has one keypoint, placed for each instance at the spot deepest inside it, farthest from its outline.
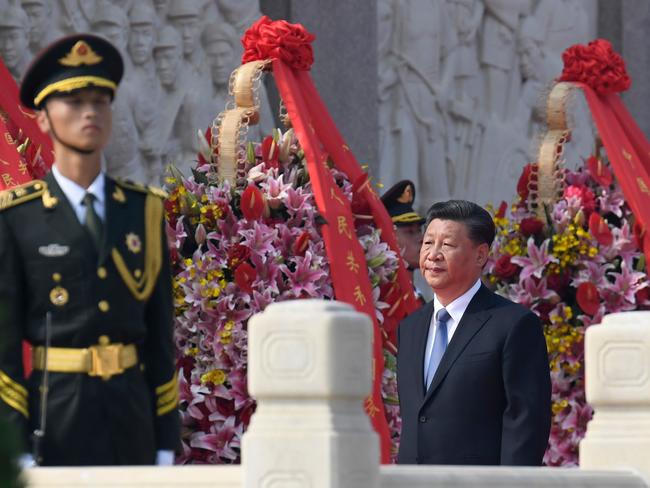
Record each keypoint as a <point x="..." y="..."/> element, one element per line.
<point x="168" y="37"/>
<point x="107" y="13"/>
<point x="14" y="17"/>
<point x="221" y="32"/>
<point x="71" y="63"/>
<point x="34" y="2"/>
<point x="398" y="200"/>
<point x="183" y="8"/>
<point x="142" y="14"/>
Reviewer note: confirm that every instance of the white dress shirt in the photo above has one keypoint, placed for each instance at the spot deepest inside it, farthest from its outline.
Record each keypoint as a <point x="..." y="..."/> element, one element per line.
<point x="75" y="194"/>
<point x="456" y="310"/>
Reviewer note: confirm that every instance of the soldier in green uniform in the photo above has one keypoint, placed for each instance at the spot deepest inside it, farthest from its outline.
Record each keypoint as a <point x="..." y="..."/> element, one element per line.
<point x="91" y="251"/>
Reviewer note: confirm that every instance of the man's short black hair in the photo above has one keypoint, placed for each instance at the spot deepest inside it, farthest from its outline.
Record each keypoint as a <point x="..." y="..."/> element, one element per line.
<point x="479" y="223"/>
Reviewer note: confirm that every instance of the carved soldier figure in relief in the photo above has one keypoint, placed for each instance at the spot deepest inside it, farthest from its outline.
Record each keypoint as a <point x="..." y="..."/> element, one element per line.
<point x="396" y="125"/>
<point x="528" y="114"/>
<point x="77" y="15"/>
<point x="121" y="154"/>
<point x="465" y="114"/>
<point x="42" y="29"/>
<point x="185" y="16"/>
<point x="142" y="84"/>
<point x="564" y="23"/>
<point x="161" y="7"/>
<point x="424" y="49"/>
<point x="218" y="43"/>
<point x="241" y="14"/>
<point x="180" y="106"/>
<point x="498" y="50"/>
<point x="14" y="40"/>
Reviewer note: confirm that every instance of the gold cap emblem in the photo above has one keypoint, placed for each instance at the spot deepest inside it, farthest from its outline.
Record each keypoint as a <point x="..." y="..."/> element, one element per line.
<point x="81" y="53"/>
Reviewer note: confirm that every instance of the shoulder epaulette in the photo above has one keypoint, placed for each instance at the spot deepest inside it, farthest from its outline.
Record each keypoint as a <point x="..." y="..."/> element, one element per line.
<point x="132" y="185"/>
<point x="22" y="193"/>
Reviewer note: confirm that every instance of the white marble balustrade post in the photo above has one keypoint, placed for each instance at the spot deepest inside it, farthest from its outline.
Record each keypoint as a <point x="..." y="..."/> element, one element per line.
<point x="617" y="361"/>
<point x="310" y="367"/>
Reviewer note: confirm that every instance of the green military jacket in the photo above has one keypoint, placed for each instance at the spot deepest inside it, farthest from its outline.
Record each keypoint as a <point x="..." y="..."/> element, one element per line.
<point x="122" y="291"/>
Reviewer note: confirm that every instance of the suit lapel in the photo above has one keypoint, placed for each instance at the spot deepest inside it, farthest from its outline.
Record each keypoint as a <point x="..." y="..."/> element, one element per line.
<point x="421" y="333"/>
<point x="62" y="219"/>
<point x="477" y="314"/>
<point x="114" y="217"/>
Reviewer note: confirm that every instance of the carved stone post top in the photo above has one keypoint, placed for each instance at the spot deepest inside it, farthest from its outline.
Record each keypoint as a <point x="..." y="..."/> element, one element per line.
<point x="304" y="349"/>
<point x="617" y="361"/>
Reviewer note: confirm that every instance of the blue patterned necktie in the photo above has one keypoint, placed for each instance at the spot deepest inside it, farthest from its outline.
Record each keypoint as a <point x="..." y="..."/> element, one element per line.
<point x="439" y="345"/>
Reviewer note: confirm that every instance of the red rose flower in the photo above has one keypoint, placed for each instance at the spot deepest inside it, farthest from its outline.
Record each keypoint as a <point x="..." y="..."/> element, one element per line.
<point x="504" y="268"/>
<point x="588" y="298"/>
<point x="526" y="180"/>
<point x="244" y="277"/>
<point x="584" y="194"/>
<point x="252" y="203"/>
<point x="278" y="39"/>
<point x="558" y="282"/>
<point x="596" y="65"/>
<point x="237" y="254"/>
<point x="599" y="172"/>
<point x="530" y="226"/>
<point x="600" y="230"/>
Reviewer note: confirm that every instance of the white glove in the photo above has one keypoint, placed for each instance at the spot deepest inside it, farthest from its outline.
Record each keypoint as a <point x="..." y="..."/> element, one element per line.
<point x="164" y="458"/>
<point x="26" y="461"/>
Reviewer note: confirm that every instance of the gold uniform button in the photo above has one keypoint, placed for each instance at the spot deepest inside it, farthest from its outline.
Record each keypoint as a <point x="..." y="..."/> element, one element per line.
<point x="101" y="272"/>
<point x="103" y="306"/>
<point x="56" y="277"/>
<point x="137" y="273"/>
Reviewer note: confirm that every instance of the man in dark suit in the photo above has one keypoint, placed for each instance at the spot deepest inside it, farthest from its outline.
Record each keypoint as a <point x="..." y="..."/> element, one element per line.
<point x="91" y="252"/>
<point x="472" y="367"/>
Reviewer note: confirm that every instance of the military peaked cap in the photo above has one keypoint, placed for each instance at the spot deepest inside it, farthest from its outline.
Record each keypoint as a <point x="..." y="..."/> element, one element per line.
<point x="71" y="63"/>
<point x="398" y="200"/>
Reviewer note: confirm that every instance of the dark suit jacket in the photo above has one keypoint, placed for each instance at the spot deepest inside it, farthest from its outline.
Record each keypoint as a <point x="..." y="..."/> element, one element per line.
<point x="489" y="401"/>
<point x="122" y="420"/>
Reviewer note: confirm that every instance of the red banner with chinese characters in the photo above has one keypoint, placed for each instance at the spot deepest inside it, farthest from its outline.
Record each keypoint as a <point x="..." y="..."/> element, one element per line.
<point x="347" y="258"/>
<point x="25" y="152"/>
<point x="600" y="72"/>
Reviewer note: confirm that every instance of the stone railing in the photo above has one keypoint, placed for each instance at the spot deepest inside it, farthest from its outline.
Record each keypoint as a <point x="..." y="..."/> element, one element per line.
<point x="310" y="368"/>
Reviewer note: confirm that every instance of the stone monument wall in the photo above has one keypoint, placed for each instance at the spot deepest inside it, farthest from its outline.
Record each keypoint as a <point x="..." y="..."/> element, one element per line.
<point x="448" y="93"/>
<point x="461" y="89"/>
<point x="178" y="58"/>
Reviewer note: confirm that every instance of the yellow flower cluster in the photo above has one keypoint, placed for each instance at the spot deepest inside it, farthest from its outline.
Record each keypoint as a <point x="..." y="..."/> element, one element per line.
<point x="216" y="377"/>
<point x="212" y="282"/>
<point x="225" y="336"/>
<point x="561" y="339"/>
<point x="569" y="245"/>
<point x="208" y="213"/>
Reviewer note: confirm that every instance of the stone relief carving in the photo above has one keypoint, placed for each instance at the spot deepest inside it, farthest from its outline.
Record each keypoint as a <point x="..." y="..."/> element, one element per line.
<point x="169" y="92"/>
<point x="488" y="65"/>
